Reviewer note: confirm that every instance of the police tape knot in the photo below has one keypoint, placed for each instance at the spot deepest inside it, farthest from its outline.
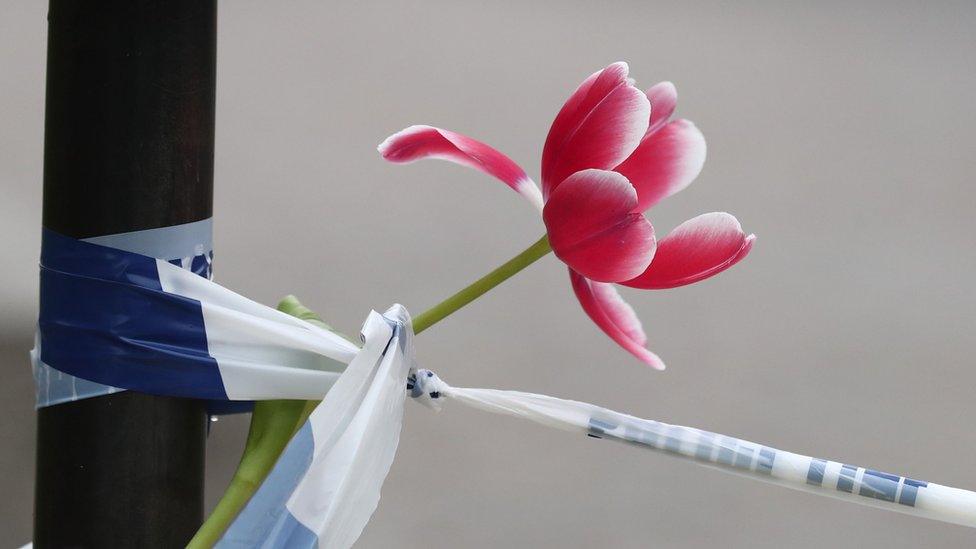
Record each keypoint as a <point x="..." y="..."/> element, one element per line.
<point x="426" y="388"/>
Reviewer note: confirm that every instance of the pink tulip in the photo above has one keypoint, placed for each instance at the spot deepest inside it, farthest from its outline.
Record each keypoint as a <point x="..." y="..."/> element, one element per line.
<point x="612" y="152"/>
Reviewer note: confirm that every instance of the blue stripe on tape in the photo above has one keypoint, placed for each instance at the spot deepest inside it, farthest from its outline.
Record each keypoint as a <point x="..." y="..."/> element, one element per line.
<point x="105" y="318"/>
<point x="726" y="452"/>
<point x="815" y="473"/>
<point x="767" y="456"/>
<point x="650" y="436"/>
<point x="743" y="457"/>
<point x="909" y="491"/>
<point x="845" y="482"/>
<point x="706" y="441"/>
<point x="672" y="440"/>
<point x="598" y="427"/>
<point x="878" y="485"/>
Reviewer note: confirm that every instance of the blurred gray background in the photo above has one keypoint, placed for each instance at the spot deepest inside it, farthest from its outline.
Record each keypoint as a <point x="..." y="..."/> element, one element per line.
<point x="843" y="135"/>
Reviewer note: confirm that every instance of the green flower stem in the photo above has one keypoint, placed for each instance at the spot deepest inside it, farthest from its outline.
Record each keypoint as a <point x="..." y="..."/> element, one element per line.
<point x="478" y="288"/>
<point x="275" y="421"/>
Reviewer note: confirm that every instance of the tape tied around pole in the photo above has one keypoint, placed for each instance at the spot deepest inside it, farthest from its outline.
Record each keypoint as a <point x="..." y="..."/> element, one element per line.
<point x="128" y="320"/>
<point x="188" y="245"/>
<point x="131" y="321"/>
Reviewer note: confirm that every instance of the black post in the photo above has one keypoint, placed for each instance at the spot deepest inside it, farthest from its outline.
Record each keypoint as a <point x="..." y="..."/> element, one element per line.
<point x="129" y="141"/>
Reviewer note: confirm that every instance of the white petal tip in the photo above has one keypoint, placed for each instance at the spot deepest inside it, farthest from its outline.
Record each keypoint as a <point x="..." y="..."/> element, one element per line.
<point x="648" y="357"/>
<point x="657" y="365"/>
<point x="666" y="86"/>
<point x="384" y="147"/>
<point x="622" y="65"/>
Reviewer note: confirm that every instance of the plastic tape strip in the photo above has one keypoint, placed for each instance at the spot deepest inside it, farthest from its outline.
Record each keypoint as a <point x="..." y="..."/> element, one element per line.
<point x="131" y="321"/>
<point x="189" y="245"/>
<point x="327" y="483"/>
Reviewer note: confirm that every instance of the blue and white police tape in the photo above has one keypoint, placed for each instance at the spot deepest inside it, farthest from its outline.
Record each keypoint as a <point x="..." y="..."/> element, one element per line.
<point x="128" y="320"/>
<point x="327" y="483"/>
<point x="796" y="471"/>
<point x="131" y="321"/>
<point x="188" y="245"/>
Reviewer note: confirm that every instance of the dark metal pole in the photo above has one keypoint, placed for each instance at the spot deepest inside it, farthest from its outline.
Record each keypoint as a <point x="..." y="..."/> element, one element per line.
<point x="129" y="140"/>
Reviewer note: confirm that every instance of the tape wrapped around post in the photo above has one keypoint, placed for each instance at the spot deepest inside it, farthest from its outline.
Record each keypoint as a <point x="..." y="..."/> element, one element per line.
<point x="127" y="320"/>
<point x="131" y="321"/>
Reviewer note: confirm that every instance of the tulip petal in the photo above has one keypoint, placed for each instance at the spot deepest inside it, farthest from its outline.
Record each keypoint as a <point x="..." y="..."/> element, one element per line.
<point x="614" y="316"/>
<point x="663" y="97"/>
<point x="598" y="127"/>
<point x="595" y="228"/>
<point x="665" y="162"/>
<point x="593" y="90"/>
<point x="695" y="250"/>
<point x="420" y="142"/>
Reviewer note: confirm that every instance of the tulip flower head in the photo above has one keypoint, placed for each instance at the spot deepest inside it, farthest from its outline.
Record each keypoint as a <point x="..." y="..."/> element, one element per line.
<point x="612" y="153"/>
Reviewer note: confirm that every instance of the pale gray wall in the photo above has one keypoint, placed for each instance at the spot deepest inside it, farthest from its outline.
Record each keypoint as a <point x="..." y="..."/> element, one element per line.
<point x="841" y="134"/>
